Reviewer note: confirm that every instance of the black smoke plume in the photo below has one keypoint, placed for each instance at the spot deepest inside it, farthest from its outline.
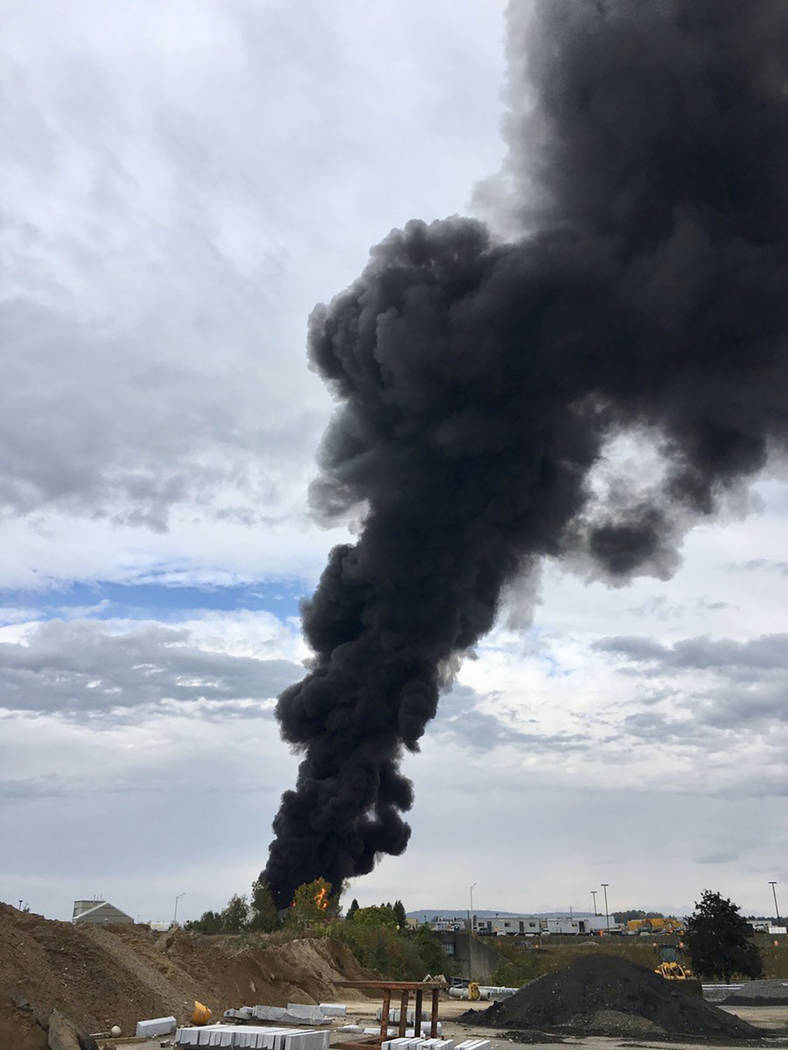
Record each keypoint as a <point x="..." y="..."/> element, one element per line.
<point x="480" y="380"/>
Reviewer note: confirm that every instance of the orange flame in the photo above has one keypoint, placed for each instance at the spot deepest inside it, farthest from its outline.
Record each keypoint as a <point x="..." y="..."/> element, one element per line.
<point x="321" y="899"/>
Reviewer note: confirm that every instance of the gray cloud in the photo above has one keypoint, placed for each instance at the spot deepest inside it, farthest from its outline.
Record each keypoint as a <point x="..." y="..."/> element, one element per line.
<point x="163" y="230"/>
<point x="756" y="656"/>
<point x="769" y="565"/>
<point x="715" y="685"/>
<point x="82" y="668"/>
<point x="719" y="857"/>
<point x="44" y="786"/>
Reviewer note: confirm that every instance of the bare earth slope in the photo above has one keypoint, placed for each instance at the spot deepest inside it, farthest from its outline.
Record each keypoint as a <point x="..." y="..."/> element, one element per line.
<point x="99" y="976"/>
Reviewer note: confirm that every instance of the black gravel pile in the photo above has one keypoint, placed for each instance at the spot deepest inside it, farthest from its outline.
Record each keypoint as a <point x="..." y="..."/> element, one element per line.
<point x="759" y="993"/>
<point x="605" y="995"/>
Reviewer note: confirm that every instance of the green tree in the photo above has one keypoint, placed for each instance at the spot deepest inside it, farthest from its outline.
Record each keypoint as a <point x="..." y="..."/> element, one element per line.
<point x="208" y="922"/>
<point x="312" y="904"/>
<point x="399" y="912"/>
<point x="431" y="950"/>
<point x="377" y="915"/>
<point x="352" y="909"/>
<point x="236" y="915"/>
<point x="264" y="914"/>
<point x="719" y="940"/>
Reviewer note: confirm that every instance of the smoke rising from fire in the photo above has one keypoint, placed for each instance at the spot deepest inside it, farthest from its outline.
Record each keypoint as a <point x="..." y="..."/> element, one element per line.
<point x="479" y="380"/>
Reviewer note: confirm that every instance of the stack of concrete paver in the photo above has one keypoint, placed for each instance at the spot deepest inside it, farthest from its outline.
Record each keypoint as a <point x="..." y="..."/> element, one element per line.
<point x="410" y="1043"/>
<point x="435" y="1044"/>
<point x="253" y="1037"/>
<point x="409" y="1032"/>
<point x="395" y="1013"/>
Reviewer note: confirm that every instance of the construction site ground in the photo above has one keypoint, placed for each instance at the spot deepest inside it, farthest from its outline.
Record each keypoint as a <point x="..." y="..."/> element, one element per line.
<point x="102" y="976"/>
<point x="773" y="1018"/>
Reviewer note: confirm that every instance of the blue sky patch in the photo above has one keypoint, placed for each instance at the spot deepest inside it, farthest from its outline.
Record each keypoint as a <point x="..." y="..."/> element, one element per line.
<point x="141" y="601"/>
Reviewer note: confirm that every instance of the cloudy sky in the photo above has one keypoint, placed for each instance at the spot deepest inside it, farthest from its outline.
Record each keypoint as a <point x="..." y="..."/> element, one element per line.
<point x="181" y="183"/>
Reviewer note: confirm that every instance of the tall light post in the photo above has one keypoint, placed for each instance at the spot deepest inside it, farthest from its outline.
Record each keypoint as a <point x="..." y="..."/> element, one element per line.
<point x="607" y="915"/>
<point x="470" y="913"/>
<point x="175" y="913"/>
<point x="470" y="931"/>
<point x="593" y="898"/>
<point x="773" y="883"/>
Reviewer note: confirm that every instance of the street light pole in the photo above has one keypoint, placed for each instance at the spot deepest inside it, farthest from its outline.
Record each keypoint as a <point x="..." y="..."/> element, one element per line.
<point x="593" y="898"/>
<point x="773" y="883"/>
<point x="607" y="916"/>
<point x="175" y="913"/>
<point x="470" y="931"/>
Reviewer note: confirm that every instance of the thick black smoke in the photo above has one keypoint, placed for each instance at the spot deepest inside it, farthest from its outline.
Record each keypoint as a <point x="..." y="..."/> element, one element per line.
<point x="479" y="381"/>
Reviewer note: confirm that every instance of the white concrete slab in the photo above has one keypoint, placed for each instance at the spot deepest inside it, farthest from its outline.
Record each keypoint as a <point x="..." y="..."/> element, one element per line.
<point x="333" y="1009"/>
<point x="156" y="1026"/>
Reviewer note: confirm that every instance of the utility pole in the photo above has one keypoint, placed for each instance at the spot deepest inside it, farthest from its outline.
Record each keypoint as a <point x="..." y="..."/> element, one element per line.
<point x="773" y="883"/>
<point x="593" y="898"/>
<point x="607" y="915"/>
<point x="470" y="932"/>
<point x="175" y="913"/>
<point x="470" y="913"/>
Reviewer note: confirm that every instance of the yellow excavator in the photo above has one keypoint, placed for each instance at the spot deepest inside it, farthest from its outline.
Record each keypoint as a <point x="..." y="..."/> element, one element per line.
<point x="672" y="970"/>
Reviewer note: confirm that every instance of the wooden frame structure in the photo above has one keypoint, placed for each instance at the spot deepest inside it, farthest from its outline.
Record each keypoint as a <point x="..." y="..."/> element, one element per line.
<point x="403" y="989"/>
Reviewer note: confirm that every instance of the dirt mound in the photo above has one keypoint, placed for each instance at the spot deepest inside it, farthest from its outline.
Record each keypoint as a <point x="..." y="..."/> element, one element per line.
<point x="104" y="975"/>
<point x="606" y="995"/>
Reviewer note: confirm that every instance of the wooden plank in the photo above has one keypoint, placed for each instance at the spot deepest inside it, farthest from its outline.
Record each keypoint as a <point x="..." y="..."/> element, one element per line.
<point x="384" y="1017"/>
<point x="434" y="1017"/>
<point x="417" y="1017"/>
<point x="403" y="1013"/>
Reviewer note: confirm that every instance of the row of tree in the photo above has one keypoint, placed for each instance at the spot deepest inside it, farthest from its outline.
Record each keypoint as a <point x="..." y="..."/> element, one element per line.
<point x="379" y="936"/>
<point x="313" y="905"/>
<point x="241" y="913"/>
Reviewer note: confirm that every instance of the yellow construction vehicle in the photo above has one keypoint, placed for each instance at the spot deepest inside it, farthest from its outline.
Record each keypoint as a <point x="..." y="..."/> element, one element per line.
<point x="672" y="970"/>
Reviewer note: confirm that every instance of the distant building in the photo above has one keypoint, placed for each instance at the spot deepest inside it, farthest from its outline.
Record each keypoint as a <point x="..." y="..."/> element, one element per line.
<point x="99" y="913"/>
<point x="597" y="924"/>
<point x="448" y="923"/>
<point x="511" y="925"/>
<point x="764" y="926"/>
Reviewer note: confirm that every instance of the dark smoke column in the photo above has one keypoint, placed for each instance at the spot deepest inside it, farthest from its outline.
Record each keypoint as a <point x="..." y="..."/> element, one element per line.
<point x="479" y="380"/>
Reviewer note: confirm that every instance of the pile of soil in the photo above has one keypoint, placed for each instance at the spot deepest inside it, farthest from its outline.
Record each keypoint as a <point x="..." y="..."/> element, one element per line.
<point x="104" y="975"/>
<point x="607" y="995"/>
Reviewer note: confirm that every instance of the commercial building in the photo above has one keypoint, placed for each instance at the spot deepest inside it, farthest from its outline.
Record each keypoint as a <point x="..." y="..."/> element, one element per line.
<point x="99" y="913"/>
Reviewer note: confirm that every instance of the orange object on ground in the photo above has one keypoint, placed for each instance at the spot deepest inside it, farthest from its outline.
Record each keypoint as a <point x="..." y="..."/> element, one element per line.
<point x="200" y="1014"/>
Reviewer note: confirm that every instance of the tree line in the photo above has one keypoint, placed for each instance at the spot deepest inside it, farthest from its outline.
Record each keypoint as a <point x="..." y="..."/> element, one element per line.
<point x="379" y="936"/>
